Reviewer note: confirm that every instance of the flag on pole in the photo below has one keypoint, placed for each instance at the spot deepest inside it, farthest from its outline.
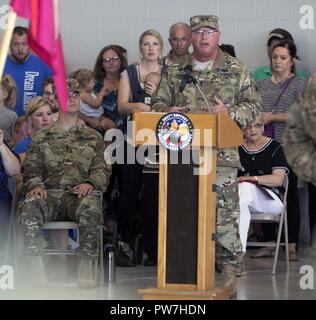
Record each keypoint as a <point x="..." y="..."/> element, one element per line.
<point x="44" y="38"/>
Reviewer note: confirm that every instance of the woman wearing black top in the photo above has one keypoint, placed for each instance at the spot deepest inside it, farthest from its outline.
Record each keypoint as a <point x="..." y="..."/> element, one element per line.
<point x="260" y="178"/>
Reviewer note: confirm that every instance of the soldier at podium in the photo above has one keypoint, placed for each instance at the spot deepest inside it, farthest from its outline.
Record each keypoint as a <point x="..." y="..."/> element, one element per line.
<point x="215" y="82"/>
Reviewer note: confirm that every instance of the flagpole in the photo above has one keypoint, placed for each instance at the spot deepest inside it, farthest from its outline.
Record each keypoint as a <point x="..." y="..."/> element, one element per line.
<point x="5" y="41"/>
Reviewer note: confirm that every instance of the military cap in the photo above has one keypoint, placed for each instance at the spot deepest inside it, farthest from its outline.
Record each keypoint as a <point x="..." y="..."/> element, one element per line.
<point x="209" y="21"/>
<point x="72" y="85"/>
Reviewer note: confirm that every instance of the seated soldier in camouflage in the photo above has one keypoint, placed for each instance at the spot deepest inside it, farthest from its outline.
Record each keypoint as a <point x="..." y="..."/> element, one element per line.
<point x="64" y="164"/>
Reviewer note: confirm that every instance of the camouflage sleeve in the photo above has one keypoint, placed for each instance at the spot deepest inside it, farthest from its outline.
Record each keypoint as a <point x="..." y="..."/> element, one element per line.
<point x="300" y="135"/>
<point x="99" y="171"/>
<point x="248" y="106"/>
<point x="33" y="168"/>
<point x="164" y="96"/>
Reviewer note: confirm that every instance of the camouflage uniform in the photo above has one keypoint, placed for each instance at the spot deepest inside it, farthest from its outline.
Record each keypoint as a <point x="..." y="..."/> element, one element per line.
<point x="58" y="160"/>
<point x="300" y="134"/>
<point x="230" y="81"/>
<point x="172" y="61"/>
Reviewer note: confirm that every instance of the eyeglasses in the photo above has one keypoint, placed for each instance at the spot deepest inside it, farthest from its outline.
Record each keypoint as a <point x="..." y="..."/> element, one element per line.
<point x="48" y="94"/>
<point x="107" y="60"/>
<point x="73" y="94"/>
<point x="254" y="125"/>
<point x="209" y="32"/>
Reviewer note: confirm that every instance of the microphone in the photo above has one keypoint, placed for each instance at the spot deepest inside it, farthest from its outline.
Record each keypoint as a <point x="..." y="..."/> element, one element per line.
<point x="186" y="77"/>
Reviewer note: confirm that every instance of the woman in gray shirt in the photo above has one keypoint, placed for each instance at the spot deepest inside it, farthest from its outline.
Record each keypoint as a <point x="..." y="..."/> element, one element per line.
<point x="278" y="93"/>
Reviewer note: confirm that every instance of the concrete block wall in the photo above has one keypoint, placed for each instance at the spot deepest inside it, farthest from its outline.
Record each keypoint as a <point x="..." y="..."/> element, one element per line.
<point x="88" y="25"/>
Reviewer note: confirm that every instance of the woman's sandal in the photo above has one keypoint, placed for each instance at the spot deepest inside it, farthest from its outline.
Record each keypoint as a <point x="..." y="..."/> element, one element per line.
<point x="264" y="253"/>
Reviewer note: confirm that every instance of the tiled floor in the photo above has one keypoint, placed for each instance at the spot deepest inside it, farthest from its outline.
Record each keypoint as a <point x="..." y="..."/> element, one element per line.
<point x="259" y="284"/>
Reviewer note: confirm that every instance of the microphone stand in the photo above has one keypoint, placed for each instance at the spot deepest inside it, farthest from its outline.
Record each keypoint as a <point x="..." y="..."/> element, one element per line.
<point x="202" y="94"/>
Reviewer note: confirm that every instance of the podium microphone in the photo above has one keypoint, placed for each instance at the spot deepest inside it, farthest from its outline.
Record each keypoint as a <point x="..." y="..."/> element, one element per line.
<point x="187" y="78"/>
<point x="202" y="94"/>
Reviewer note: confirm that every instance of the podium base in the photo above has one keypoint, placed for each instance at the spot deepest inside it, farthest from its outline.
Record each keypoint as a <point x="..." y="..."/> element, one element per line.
<point x="169" y="294"/>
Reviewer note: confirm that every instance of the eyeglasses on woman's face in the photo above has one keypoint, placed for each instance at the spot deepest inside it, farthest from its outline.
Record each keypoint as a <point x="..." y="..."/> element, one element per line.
<point x="256" y="126"/>
<point x="73" y="94"/>
<point x="113" y="59"/>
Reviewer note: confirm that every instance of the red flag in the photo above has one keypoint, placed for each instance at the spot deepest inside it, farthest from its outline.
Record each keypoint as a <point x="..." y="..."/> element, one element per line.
<point x="44" y="38"/>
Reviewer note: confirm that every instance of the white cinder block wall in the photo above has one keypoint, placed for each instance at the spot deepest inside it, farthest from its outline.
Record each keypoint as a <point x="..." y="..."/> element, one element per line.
<point x="88" y="25"/>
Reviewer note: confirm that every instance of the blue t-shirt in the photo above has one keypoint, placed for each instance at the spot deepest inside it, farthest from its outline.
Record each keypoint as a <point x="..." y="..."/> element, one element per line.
<point x="23" y="145"/>
<point x="28" y="77"/>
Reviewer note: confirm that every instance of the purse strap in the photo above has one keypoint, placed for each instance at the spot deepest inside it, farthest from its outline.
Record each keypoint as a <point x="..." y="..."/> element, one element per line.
<point x="286" y="84"/>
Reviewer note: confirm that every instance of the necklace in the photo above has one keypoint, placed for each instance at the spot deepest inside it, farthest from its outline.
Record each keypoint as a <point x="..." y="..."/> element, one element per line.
<point x="281" y="80"/>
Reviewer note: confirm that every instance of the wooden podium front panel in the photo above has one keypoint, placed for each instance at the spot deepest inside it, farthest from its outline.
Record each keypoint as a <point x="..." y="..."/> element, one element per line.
<point x="182" y="224"/>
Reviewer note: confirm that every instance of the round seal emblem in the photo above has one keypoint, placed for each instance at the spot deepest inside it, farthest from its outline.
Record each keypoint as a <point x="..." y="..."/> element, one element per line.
<point x="175" y="131"/>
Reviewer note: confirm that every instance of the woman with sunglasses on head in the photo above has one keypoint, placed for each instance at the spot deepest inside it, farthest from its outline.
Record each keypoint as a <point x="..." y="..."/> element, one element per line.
<point x="278" y="93"/>
<point x="263" y="168"/>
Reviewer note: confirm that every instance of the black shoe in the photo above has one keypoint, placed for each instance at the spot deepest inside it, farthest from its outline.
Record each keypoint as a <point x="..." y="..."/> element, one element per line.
<point x="123" y="260"/>
<point x="138" y="249"/>
<point x="150" y="262"/>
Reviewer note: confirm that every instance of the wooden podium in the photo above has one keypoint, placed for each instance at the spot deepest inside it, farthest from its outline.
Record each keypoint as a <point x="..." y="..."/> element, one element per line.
<point x="186" y="251"/>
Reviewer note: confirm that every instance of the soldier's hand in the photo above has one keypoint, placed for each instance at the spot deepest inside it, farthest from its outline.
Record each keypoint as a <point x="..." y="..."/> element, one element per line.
<point x="219" y="106"/>
<point x="83" y="189"/>
<point x="177" y="109"/>
<point x="37" y="192"/>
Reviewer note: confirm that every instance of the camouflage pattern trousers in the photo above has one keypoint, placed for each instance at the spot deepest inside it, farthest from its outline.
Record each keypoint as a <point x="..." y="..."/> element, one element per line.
<point x="228" y="244"/>
<point x="86" y="211"/>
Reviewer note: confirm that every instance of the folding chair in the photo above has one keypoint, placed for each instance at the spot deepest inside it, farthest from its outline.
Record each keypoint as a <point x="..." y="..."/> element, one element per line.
<point x="281" y="220"/>
<point x="68" y="225"/>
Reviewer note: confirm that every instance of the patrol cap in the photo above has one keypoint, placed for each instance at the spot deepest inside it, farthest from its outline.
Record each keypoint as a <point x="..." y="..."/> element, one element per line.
<point x="210" y="21"/>
<point x="72" y="85"/>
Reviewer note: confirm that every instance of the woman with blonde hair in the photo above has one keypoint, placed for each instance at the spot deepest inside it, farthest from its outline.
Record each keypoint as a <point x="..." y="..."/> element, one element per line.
<point x="38" y="115"/>
<point x="133" y="89"/>
<point x="7" y="101"/>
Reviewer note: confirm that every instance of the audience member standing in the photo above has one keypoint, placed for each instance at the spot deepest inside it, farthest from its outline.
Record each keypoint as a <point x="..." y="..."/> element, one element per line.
<point x="278" y="93"/>
<point x="9" y="166"/>
<point x="7" y="101"/>
<point x="180" y="40"/>
<point x="132" y="94"/>
<point x="27" y="70"/>
<point x="275" y="36"/>
<point x="110" y="63"/>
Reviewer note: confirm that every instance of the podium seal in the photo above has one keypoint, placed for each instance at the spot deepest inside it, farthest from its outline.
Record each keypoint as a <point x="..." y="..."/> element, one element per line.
<point x="174" y="131"/>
